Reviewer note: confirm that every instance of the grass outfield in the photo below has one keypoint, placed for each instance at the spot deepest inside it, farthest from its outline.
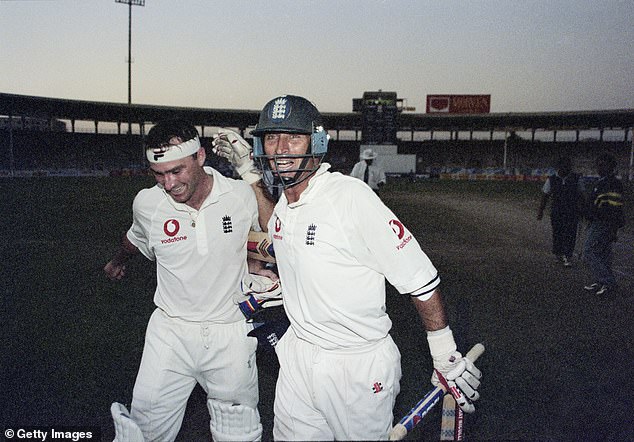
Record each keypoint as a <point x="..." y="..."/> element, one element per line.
<point x="558" y="364"/>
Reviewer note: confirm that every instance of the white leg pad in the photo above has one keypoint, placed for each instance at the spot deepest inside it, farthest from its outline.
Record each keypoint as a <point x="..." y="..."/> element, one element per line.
<point x="125" y="429"/>
<point x="234" y="422"/>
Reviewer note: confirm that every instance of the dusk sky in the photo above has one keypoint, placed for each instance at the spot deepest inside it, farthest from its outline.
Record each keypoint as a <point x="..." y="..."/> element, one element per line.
<point x="530" y="56"/>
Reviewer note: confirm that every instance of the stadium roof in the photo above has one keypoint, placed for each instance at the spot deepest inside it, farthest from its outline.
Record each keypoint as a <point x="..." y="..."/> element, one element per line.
<point x="55" y="108"/>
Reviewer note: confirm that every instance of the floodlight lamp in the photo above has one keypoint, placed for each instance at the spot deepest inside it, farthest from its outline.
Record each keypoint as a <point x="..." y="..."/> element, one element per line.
<point x="131" y="2"/>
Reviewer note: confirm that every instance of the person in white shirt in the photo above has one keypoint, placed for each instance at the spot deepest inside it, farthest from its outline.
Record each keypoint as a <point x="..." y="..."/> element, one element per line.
<point x="368" y="171"/>
<point x="336" y="243"/>
<point x="194" y="223"/>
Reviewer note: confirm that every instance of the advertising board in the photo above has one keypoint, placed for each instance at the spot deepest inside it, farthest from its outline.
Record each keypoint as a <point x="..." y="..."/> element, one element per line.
<point x="458" y="104"/>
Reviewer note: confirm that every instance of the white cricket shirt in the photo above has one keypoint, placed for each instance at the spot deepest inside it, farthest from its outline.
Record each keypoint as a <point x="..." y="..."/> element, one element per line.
<point x="335" y="247"/>
<point x="198" y="268"/>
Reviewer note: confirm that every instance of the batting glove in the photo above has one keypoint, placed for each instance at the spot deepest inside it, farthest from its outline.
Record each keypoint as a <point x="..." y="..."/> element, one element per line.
<point x="271" y="329"/>
<point x="228" y="144"/>
<point x="258" y="292"/>
<point x="456" y="373"/>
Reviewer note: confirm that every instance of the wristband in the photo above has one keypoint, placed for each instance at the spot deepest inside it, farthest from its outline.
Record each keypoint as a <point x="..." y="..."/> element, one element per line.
<point x="441" y="342"/>
<point x="250" y="307"/>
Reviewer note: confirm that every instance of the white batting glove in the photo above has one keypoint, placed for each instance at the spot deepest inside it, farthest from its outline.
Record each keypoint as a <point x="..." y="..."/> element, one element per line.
<point x="456" y="373"/>
<point x="258" y="292"/>
<point x="228" y="144"/>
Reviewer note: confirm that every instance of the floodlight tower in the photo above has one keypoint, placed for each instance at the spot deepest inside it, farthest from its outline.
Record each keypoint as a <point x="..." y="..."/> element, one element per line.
<point x="130" y="3"/>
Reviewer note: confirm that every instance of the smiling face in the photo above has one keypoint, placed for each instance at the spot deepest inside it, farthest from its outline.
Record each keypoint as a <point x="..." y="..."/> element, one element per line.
<point x="184" y="180"/>
<point x="287" y="152"/>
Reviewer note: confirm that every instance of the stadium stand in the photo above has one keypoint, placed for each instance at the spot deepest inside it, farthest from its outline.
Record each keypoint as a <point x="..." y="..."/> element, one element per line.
<point x="40" y="145"/>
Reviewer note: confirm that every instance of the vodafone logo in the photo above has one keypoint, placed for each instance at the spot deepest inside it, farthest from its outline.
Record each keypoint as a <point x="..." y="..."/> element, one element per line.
<point x="398" y="228"/>
<point x="171" y="227"/>
<point x="278" y="227"/>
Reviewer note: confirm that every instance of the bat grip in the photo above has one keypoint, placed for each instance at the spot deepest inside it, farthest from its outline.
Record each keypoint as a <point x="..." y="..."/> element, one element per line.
<point x="411" y="419"/>
<point x="398" y="432"/>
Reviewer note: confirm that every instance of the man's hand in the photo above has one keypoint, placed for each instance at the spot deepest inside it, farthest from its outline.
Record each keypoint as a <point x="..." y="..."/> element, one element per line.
<point x="460" y="377"/>
<point x="228" y="144"/>
<point x="114" y="271"/>
<point x="115" y="268"/>
<point x="458" y="374"/>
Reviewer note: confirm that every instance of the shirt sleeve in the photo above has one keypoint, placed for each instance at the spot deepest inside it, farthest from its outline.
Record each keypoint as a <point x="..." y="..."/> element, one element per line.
<point x="138" y="234"/>
<point x="388" y="246"/>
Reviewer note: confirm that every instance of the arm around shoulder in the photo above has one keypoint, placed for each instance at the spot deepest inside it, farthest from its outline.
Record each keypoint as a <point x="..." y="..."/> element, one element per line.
<point x="265" y="203"/>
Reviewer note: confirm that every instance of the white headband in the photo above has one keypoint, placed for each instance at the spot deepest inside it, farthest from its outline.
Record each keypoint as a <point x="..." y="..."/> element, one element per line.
<point x="173" y="152"/>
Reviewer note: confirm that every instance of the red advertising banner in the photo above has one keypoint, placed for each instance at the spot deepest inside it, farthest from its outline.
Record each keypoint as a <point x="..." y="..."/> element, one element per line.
<point x="459" y="104"/>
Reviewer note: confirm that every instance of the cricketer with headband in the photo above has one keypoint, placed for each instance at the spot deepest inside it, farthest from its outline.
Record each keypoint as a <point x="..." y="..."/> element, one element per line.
<point x="194" y="223"/>
<point x="336" y="244"/>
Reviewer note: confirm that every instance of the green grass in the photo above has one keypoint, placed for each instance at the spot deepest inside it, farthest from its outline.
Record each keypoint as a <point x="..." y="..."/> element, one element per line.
<point x="524" y="193"/>
<point x="63" y="322"/>
<point x="72" y="339"/>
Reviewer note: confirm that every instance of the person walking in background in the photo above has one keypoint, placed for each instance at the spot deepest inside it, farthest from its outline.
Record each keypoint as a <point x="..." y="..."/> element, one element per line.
<point x="194" y="223"/>
<point x="368" y="171"/>
<point x="565" y="189"/>
<point x="605" y="216"/>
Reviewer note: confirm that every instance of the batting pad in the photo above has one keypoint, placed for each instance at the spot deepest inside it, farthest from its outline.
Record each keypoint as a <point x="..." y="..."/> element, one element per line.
<point x="125" y="429"/>
<point x="234" y="422"/>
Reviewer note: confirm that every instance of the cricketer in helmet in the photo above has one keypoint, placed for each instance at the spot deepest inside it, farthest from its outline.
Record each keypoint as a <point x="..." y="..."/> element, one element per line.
<point x="336" y="245"/>
<point x="289" y="140"/>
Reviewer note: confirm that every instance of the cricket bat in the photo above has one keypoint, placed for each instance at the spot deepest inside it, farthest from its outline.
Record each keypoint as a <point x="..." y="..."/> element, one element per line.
<point x="452" y="422"/>
<point x="260" y="247"/>
<point x="416" y="414"/>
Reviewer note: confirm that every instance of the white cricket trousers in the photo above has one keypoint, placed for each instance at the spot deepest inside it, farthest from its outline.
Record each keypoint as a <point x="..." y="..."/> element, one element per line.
<point x="335" y="395"/>
<point x="178" y="354"/>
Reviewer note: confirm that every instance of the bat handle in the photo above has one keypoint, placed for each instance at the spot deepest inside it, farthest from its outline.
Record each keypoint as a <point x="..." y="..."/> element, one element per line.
<point x="399" y="431"/>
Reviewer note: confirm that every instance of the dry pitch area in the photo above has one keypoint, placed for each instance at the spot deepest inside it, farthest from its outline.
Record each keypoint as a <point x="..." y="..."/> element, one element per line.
<point x="558" y="364"/>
